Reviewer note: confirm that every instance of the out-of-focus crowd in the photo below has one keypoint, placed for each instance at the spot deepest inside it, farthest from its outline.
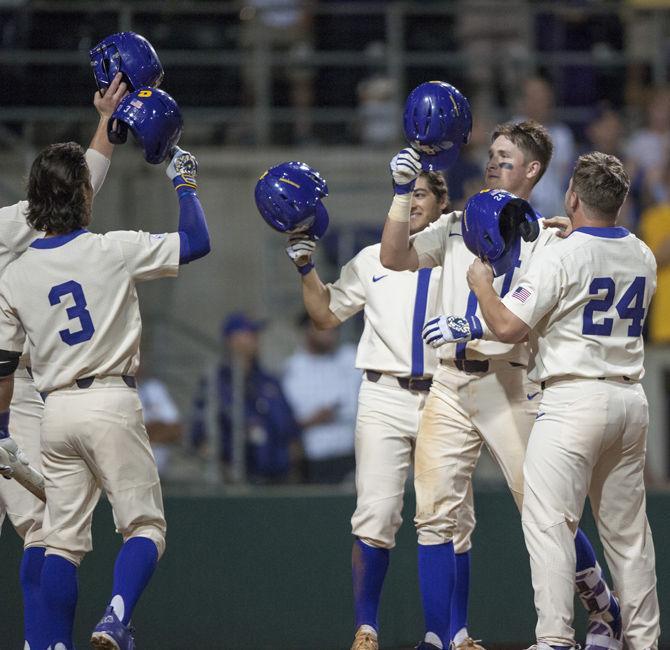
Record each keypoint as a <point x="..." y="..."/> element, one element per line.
<point x="295" y="427"/>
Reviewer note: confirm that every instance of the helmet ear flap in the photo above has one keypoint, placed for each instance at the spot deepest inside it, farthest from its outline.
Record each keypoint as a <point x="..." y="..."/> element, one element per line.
<point x="117" y="131"/>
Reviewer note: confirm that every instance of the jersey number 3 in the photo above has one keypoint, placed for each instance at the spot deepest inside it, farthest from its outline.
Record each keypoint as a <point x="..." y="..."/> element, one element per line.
<point x="630" y="307"/>
<point x="78" y="310"/>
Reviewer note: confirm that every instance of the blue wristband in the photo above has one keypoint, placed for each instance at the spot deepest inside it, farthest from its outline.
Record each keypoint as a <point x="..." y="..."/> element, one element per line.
<point x="305" y="268"/>
<point x="407" y="188"/>
<point x="4" y="425"/>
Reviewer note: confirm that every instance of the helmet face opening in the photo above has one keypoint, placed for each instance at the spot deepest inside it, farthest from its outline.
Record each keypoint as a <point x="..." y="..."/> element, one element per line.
<point x="494" y="223"/>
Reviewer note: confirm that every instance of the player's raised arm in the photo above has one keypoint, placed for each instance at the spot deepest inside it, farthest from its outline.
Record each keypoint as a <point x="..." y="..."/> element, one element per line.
<point x="315" y="294"/>
<point x="106" y="103"/>
<point x="397" y="252"/>
<point x="194" y="241"/>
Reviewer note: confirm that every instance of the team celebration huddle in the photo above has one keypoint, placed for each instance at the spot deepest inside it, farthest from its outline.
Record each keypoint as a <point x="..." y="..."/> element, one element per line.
<point x="493" y="326"/>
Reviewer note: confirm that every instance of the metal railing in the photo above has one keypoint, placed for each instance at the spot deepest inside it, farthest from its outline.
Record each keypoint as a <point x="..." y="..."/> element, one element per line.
<point x="33" y="66"/>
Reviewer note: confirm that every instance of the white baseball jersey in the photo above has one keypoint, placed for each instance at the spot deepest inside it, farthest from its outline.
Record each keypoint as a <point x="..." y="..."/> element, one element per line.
<point x="73" y="298"/>
<point x="586" y="299"/>
<point x="441" y="244"/>
<point x="397" y="304"/>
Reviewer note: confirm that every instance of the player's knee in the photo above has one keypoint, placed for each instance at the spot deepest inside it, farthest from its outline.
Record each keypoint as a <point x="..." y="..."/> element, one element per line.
<point x="377" y="525"/>
<point x="155" y="533"/>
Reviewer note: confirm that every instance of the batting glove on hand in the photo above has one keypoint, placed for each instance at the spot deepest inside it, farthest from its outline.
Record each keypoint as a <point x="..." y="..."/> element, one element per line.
<point x="451" y="329"/>
<point x="10" y="451"/>
<point x="183" y="168"/>
<point x="405" y="167"/>
<point x="300" y="250"/>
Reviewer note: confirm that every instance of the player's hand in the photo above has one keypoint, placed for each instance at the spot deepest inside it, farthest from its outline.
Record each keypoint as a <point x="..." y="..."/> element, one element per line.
<point x="563" y="225"/>
<point x="405" y="167"/>
<point x="479" y="274"/>
<point x="10" y="452"/>
<point x="450" y="329"/>
<point x="300" y="249"/>
<point x="106" y="104"/>
<point x="183" y="165"/>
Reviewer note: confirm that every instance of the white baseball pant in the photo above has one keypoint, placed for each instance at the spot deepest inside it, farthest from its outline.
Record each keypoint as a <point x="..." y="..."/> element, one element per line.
<point x="25" y="511"/>
<point x="386" y="429"/>
<point x="590" y="439"/>
<point x="93" y="439"/>
<point x="463" y="411"/>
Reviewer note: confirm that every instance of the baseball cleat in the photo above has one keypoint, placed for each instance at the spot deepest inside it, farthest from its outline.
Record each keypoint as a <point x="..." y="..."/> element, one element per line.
<point x="468" y="644"/>
<point x="365" y="640"/>
<point x="111" y="634"/>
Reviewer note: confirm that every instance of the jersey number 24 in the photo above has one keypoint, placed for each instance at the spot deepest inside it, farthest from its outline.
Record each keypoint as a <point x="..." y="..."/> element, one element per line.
<point x="77" y="311"/>
<point x="630" y="307"/>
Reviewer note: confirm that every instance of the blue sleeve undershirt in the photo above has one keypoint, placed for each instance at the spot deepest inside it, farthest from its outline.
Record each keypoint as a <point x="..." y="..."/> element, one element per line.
<point x="193" y="234"/>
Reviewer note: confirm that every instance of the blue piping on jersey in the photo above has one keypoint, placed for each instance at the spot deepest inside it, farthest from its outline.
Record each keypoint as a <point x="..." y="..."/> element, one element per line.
<point x="57" y="240"/>
<point x="607" y="232"/>
<point x="419" y="319"/>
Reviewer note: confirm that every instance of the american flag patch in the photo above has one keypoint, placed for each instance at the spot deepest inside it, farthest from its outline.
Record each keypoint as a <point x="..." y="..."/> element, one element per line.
<point x="521" y="294"/>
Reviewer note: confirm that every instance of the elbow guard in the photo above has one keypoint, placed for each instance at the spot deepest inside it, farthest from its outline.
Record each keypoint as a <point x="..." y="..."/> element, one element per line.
<point x="9" y="361"/>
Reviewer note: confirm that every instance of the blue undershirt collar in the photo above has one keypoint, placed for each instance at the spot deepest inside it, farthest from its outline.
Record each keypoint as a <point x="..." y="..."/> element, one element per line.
<point x="608" y="232"/>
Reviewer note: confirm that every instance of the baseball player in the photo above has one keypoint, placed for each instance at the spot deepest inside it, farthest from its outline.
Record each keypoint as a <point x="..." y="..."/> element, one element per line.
<point x="397" y="370"/>
<point x="24" y="509"/>
<point x="72" y="297"/>
<point x="583" y="303"/>
<point x="481" y="393"/>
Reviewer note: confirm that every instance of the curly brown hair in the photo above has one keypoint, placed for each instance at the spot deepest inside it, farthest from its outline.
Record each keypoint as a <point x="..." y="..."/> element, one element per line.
<point x="437" y="185"/>
<point x="59" y="189"/>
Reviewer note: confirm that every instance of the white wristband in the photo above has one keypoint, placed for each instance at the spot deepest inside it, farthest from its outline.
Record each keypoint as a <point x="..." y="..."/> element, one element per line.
<point x="400" y="208"/>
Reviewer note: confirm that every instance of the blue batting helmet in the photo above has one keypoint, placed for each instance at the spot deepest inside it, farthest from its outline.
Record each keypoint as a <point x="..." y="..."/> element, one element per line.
<point x="437" y="122"/>
<point x="494" y="222"/>
<point x="153" y="117"/>
<point x="131" y="55"/>
<point x="289" y="198"/>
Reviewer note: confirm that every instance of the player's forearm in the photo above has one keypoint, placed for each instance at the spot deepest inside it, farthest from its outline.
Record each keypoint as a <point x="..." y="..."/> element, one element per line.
<point x="397" y="252"/>
<point x="506" y="327"/>
<point x="193" y="232"/>
<point x="316" y="297"/>
<point x="100" y="142"/>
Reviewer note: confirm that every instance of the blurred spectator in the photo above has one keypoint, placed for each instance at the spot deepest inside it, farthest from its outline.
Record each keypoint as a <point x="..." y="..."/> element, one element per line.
<point x="161" y="419"/>
<point x="378" y="114"/>
<point x="655" y="232"/>
<point x="605" y="131"/>
<point x="283" y="30"/>
<point x="647" y="151"/>
<point x="537" y="104"/>
<point x="321" y="383"/>
<point x="270" y="431"/>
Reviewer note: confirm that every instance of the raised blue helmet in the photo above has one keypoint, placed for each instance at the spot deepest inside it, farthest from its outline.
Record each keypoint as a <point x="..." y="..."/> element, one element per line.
<point x="289" y="198"/>
<point x="154" y="119"/>
<point x="494" y="222"/>
<point x="131" y="55"/>
<point x="437" y="123"/>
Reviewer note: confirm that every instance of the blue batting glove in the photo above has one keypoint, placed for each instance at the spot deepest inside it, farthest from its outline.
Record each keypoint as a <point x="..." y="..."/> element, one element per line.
<point x="451" y="329"/>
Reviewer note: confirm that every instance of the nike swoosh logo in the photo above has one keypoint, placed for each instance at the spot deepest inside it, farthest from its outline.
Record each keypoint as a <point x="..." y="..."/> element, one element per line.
<point x="377" y="278"/>
<point x="539" y="415"/>
<point x="529" y="396"/>
<point x="455" y="234"/>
